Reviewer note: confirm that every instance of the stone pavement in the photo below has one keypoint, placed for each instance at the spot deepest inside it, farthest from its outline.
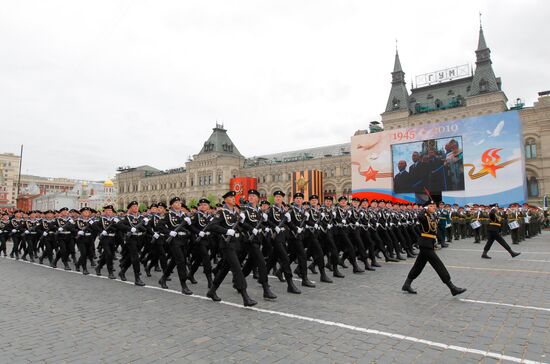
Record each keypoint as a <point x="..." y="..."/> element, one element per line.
<point x="52" y="316"/>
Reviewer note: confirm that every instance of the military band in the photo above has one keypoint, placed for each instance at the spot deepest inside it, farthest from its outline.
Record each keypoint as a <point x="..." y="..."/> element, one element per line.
<point x="259" y="238"/>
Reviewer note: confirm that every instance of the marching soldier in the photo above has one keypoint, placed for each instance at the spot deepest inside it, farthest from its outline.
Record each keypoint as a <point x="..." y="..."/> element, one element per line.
<point x="84" y="238"/>
<point x="65" y="229"/>
<point x="493" y="229"/>
<point x="426" y="243"/>
<point x="134" y="226"/>
<point x="106" y="227"/>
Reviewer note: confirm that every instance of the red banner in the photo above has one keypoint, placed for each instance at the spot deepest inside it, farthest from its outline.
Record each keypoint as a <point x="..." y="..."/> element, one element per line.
<point x="241" y="185"/>
<point x="309" y="182"/>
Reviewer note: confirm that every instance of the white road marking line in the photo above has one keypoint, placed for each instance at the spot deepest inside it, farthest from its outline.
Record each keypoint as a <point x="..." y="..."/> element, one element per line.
<point x="499" y="269"/>
<point x="492" y="251"/>
<point x="506" y="305"/>
<point x="413" y="339"/>
<point x="529" y="260"/>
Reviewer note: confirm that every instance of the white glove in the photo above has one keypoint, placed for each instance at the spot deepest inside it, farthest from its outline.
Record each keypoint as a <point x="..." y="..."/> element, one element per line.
<point x="322" y="215"/>
<point x="334" y="213"/>
<point x="357" y="223"/>
<point x="173" y="233"/>
<point x="316" y="226"/>
<point x="104" y="233"/>
<point x="188" y="220"/>
<point x="343" y="221"/>
<point x="202" y="234"/>
<point x="267" y="230"/>
<point x="377" y="224"/>
<point x="307" y="215"/>
<point x="329" y="226"/>
<point x="230" y="232"/>
<point x="288" y="217"/>
<point x="145" y="221"/>
<point x="156" y="236"/>
<point x="44" y="234"/>
<point x="133" y="230"/>
<point x="255" y="231"/>
<point x="27" y="232"/>
<point x="243" y="216"/>
<point x="13" y="231"/>
<point x="60" y="229"/>
<point x="277" y="229"/>
<point x="300" y="230"/>
<point x="362" y="214"/>
<point x="350" y="212"/>
<point x="265" y="217"/>
<point x="80" y="233"/>
<point x="116" y="220"/>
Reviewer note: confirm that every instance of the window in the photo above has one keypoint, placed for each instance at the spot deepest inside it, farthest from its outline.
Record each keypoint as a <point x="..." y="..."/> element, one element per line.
<point x="483" y="85"/>
<point x="530" y="149"/>
<point x="532" y="186"/>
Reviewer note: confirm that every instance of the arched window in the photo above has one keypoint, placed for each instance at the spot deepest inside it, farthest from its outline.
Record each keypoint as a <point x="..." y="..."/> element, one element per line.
<point x="530" y="149"/>
<point x="532" y="186"/>
<point x="483" y="85"/>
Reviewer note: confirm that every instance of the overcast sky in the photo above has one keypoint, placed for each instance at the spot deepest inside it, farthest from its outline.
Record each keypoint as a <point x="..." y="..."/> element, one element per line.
<point x="90" y="86"/>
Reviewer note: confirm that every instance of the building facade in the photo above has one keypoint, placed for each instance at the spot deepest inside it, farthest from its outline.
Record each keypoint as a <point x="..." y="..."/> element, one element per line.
<point x="9" y="173"/>
<point x="83" y="194"/>
<point x="445" y="95"/>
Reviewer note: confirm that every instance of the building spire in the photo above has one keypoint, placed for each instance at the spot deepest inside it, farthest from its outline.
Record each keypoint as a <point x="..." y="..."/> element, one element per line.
<point x="399" y="96"/>
<point x="484" y="77"/>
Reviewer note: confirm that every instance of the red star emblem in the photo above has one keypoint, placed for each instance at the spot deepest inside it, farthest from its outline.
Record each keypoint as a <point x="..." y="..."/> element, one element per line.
<point x="369" y="174"/>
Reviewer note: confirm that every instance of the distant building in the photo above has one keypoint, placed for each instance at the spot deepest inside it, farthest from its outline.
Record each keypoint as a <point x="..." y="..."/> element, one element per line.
<point x="9" y="172"/>
<point x="83" y="194"/>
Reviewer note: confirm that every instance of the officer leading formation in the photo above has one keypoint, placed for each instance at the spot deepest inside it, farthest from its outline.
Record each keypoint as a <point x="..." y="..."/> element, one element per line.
<point x="258" y="238"/>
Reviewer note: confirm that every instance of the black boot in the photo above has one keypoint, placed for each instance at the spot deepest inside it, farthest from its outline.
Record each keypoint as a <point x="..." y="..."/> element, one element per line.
<point x="98" y="271"/>
<point x="111" y="275"/>
<point x="484" y="255"/>
<point x="454" y="289"/>
<point x="148" y="270"/>
<point x="375" y="264"/>
<point x="279" y="275"/>
<point x="122" y="275"/>
<point x="67" y="266"/>
<point x="212" y="294"/>
<point x="185" y="290"/>
<point x="336" y="273"/>
<point x="85" y="271"/>
<point x="297" y="272"/>
<point x="77" y="267"/>
<point x="162" y="282"/>
<point x="312" y="268"/>
<point x="514" y="254"/>
<point x="399" y="257"/>
<point x="192" y="279"/>
<point x="341" y="263"/>
<point x="367" y="265"/>
<point x="137" y="280"/>
<point x="40" y="260"/>
<point x="407" y="286"/>
<point x="291" y="287"/>
<point x="324" y="277"/>
<point x="247" y="301"/>
<point x="307" y="283"/>
<point x="268" y="295"/>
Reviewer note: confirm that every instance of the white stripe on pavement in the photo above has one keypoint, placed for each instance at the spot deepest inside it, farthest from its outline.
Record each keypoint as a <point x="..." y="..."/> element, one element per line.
<point x="506" y="305"/>
<point x="492" y="251"/>
<point x="413" y="339"/>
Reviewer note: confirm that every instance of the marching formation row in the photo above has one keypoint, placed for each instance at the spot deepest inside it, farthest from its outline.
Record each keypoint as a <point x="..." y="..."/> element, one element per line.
<point x="258" y="238"/>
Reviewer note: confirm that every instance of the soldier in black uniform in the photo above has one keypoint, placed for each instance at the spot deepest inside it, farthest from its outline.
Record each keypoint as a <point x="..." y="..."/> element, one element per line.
<point x="48" y="229"/>
<point x="277" y="221"/>
<point x="134" y="226"/>
<point x="226" y="224"/>
<point x="31" y="235"/>
<point x="64" y="234"/>
<point x="106" y="227"/>
<point x="4" y="232"/>
<point x="326" y="237"/>
<point x="426" y="243"/>
<point x="343" y="212"/>
<point x="158" y="239"/>
<point x="17" y="227"/>
<point x="202" y="242"/>
<point x="252" y="219"/>
<point x="493" y="233"/>
<point x="312" y="237"/>
<point x="297" y="218"/>
<point x="84" y="238"/>
<point x="177" y="236"/>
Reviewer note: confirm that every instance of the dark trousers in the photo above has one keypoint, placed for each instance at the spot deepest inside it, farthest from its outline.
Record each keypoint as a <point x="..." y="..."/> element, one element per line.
<point x="255" y="259"/>
<point x="62" y="253"/>
<point x="428" y="255"/>
<point x="107" y="245"/>
<point x="344" y="244"/>
<point x="3" y="244"/>
<point x="16" y="241"/>
<point x="132" y="257"/>
<point x="31" y="245"/>
<point x="279" y="254"/>
<point x="48" y="248"/>
<point x="314" y="249"/>
<point x="177" y="248"/>
<point x="515" y="236"/>
<point x="158" y="255"/>
<point x="495" y="236"/>
<point x="296" y="250"/>
<point x="329" y="247"/>
<point x="477" y="234"/>
<point x="230" y="261"/>
<point x="83" y="244"/>
<point x="201" y="255"/>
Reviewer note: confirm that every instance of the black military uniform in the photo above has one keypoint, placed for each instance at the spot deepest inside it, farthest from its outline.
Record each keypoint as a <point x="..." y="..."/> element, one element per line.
<point x="84" y="239"/>
<point x="64" y="235"/>
<point x="4" y="232"/>
<point x="296" y="224"/>
<point x="177" y="236"/>
<point x="342" y="234"/>
<point x="16" y="227"/>
<point x="202" y="242"/>
<point x="226" y="224"/>
<point x="158" y="240"/>
<point x="31" y="236"/>
<point x="106" y="227"/>
<point x="326" y="236"/>
<point x="493" y="232"/>
<point x="134" y="226"/>
<point x="426" y="243"/>
<point x="48" y="229"/>
<point x="312" y="237"/>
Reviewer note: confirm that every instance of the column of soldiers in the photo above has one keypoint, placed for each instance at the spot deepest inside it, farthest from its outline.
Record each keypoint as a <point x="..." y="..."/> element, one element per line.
<point x="255" y="238"/>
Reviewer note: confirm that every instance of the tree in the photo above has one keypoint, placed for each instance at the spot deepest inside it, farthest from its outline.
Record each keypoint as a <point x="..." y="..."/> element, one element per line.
<point x="142" y="207"/>
<point x="192" y="203"/>
<point x="271" y="199"/>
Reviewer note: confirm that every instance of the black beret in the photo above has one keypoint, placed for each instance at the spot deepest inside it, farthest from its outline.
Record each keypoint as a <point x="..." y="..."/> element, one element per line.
<point x="48" y="212"/>
<point x="229" y="194"/>
<point x="357" y="199"/>
<point x="153" y="205"/>
<point x="342" y="198"/>
<point x="365" y="200"/>
<point x="313" y="197"/>
<point x="429" y="202"/>
<point x="298" y="194"/>
<point x="162" y="204"/>
<point x="132" y="203"/>
<point x="61" y="209"/>
<point x="109" y="207"/>
<point x="85" y="209"/>
<point x="264" y="202"/>
<point x="279" y="193"/>
<point x="254" y="192"/>
<point x="174" y="199"/>
<point x="330" y="198"/>
<point x="204" y="200"/>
